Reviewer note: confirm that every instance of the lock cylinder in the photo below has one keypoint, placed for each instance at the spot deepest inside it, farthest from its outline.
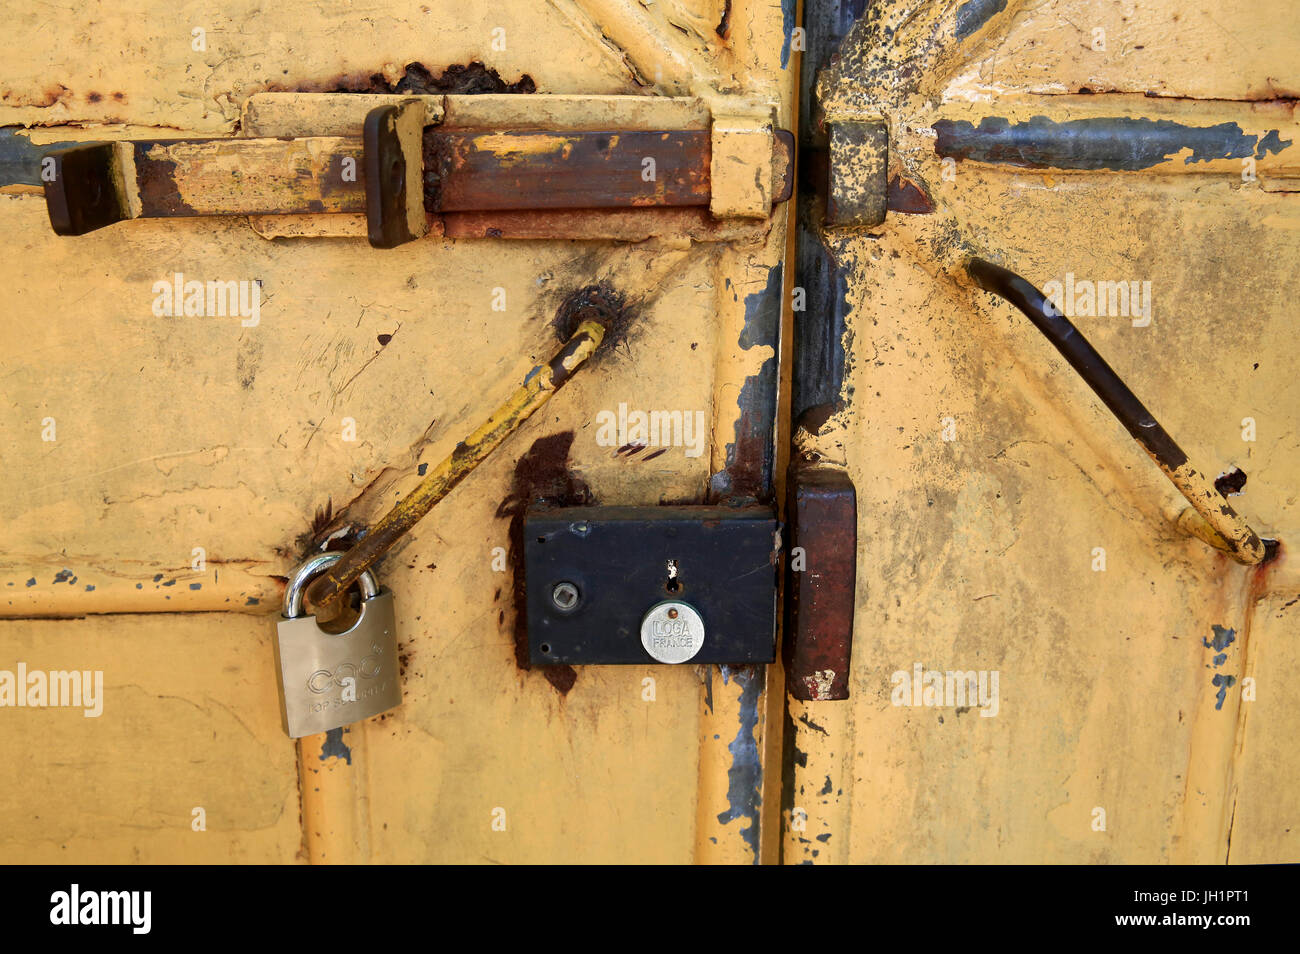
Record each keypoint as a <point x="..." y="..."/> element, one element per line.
<point x="672" y="632"/>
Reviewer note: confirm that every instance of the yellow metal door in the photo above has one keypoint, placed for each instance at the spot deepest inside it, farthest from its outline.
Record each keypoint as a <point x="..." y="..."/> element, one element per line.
<point x="1131" y="699"/>
<point x="164" y="472"/>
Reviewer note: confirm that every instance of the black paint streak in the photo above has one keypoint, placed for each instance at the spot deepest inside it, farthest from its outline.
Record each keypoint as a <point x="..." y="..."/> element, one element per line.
<point x="820" y="324"/>
<point x="748" y="473"/>
<point x="974" y="14"/>
<point x="1119" y="143"/>
<point x="1223" y="638"/>
<point x="724" y="24"/>
<point x="335" y="747"/>
<point x="1272" y="142"/>
<point x="20" y="158"/>
<point x="825" y="23"/>
<point x="745" y="774"/>
<point x="813" y="725"/>
<point x="1224" y="682"/>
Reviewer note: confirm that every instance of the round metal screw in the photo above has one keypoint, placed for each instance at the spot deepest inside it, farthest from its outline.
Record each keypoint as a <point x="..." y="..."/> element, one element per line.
<point x="672" y="614"/>
<point x="564" y="596"/>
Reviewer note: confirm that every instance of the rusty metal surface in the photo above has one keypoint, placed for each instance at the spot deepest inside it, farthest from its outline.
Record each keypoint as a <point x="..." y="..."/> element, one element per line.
<point x="1006" y="529"/>
<point x="247" y="176"/>
<point x="821" y="577"/>
<point x="467" y="171"/>
<point x="84" y="192"/>
<point x="394" y="174"/>
<point x="538" y="169"/>
<point x="241" y="433"/>
<point x="858" y="184"/>
<point x="632" y="225"/>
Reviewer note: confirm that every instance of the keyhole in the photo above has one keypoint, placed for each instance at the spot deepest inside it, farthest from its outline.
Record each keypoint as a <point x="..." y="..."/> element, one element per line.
<point x="673" y="584"/>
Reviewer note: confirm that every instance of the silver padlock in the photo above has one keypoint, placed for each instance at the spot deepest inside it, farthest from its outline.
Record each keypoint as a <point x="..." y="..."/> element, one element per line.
<point x="327" y="680"/>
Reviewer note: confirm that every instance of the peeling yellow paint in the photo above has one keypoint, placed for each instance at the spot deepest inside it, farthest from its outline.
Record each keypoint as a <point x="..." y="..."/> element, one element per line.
<point x="187" y="432"/>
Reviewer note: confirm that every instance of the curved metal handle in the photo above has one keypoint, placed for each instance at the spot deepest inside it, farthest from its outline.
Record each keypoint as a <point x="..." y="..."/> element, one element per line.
<point x="308" y="570"/>
<point x="1235" y="535"/>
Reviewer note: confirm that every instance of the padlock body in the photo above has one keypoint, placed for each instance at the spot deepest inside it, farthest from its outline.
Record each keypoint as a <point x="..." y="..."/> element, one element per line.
<point x="314" y="668"/>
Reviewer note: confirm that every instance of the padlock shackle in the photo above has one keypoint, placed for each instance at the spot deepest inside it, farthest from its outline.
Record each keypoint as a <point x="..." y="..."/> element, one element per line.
<point x="308" y="570"/>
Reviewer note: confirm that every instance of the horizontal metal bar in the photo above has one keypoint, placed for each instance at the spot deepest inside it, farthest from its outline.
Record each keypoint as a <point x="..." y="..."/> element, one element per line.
<point x="489" y="170"/>
<point x="1120" y="133"/>
<point x="248" y="176"/>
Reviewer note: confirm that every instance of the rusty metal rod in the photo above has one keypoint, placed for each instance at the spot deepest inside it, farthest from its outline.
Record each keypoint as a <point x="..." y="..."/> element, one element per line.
<point x="541" y="382"/>
<point x="1228" y="527"/>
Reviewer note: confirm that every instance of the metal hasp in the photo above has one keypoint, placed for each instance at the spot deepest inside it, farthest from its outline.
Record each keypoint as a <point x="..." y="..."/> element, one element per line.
<point x="84" y="191"/>
<point x="858" y="183"/>
<point x="393" y="149"/>
<point x="1224" y="528"/>
<point x="408" y="165"/>
<point x="822" y="510"/>
<point x="623" y="562"/>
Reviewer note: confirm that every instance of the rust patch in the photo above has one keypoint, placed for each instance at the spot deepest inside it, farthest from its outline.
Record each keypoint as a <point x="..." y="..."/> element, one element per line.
<point x="749" y="460"/>
<point x="822" y="511"/>
<point x="156" y="179"/>
<point x="43" y="100"/>
<point x="627" y="224"/>
<point x="908" y="197"/>
<point x="542" y="476"/>
<point x="418" y="79"/>
<point x="482" y="170"/>
<point x="599" y="303"/>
